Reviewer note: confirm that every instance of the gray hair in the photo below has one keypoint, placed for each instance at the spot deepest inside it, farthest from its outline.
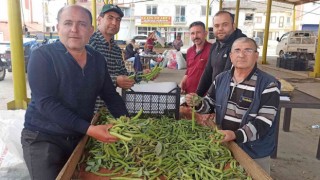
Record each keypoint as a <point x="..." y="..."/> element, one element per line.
<point x="246" y="40"/>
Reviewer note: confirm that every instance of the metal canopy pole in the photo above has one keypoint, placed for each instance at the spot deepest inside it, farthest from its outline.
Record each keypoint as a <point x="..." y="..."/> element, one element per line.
<point x="70" y="2"/>
<point x="18" y="66"/>
<point x="94" y="14"/>
<point x="316" y="71"/>
<point x="237" y="13"/>
<point x="266" y="33"/>
<point x="220" y="5"/>
<point x="207" y="14"/>
<point x="294" y="18"/>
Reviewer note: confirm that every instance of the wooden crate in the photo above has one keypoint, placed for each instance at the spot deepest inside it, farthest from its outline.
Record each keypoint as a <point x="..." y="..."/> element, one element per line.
<point x="251" y="167"/>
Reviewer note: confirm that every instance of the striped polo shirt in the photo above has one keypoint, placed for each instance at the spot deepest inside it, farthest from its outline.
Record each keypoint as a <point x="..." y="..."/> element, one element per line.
<point x="239" y="100"/>
<point x="113" y="55"/>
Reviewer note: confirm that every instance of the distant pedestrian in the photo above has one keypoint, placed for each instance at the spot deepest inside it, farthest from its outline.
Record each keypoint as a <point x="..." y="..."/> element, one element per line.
<point x="177" y="43"/>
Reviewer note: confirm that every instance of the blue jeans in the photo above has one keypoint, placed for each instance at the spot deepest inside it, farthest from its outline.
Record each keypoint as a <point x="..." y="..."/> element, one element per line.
<point x="44" y="154"/>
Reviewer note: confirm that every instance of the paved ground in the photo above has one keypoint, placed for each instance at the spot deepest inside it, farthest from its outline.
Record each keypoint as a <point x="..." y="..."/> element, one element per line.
<point x="297" y="148"/>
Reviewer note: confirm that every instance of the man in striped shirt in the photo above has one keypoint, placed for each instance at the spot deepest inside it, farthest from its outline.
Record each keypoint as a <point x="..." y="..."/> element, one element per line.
<point x="245" y="100"/>
<point x="103" y="41"/>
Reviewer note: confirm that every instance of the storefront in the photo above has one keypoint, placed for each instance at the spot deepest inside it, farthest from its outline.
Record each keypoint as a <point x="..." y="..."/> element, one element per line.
<point x="164" y="25"/>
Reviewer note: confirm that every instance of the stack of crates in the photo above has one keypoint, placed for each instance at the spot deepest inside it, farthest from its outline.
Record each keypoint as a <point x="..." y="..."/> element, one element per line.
<point x="292" y="62"/>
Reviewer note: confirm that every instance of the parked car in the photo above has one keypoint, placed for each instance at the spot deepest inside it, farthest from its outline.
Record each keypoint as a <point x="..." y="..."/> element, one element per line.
<point x="29" y="44"/>
<point x="299" y="43"/>
<point x="140" y="40"/>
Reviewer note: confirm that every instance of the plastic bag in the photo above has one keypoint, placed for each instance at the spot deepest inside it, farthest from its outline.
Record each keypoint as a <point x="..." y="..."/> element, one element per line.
<point x="172" y="61"/>
<point x="12" y="165"/>
<point x="165" y="59"/>
<point x="180" y="60"/>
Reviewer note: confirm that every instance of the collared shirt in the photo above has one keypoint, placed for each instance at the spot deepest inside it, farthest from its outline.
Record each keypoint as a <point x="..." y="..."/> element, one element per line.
<point x="196" y="63"/>
<point x="112" y="54"/>
<point x="63" y="94"/>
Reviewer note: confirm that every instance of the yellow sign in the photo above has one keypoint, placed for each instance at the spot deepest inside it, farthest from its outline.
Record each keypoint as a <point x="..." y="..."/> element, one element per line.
<point x="156" y="20"/>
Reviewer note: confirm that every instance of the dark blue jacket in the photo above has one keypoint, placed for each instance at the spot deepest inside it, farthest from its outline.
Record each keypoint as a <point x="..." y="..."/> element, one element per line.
<point x="218" y="61"/>
<point x="263" y="146"/>
<point x="63" y="94"/>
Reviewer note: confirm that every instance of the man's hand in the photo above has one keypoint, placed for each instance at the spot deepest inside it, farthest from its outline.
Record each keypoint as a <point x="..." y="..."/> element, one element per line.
<point x="146" y="71"/>
<point x="124" y="82"/>
<point x="193" y="99"/>
<point x="229" y="135"/>
<point x="101" y="133"/>
<point x="183" y="84"/>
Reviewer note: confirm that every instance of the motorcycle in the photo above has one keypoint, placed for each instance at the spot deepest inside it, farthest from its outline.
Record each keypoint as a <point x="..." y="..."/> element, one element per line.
<point x="3" y="67"/>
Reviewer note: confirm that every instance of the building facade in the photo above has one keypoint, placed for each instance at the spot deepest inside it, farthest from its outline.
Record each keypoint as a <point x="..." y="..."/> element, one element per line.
<point x="170" y="17"/>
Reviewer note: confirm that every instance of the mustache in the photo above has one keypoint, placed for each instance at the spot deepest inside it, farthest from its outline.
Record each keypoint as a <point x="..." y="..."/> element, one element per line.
<point x="196" y="39"/>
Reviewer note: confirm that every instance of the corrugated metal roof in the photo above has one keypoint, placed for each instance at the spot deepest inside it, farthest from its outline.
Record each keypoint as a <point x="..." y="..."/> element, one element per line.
<point x="258" y="6"/>
<point x="296" y="2"/>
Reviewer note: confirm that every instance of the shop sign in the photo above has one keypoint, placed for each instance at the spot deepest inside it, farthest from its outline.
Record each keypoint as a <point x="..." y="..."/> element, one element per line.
<point x="156" y="20"/>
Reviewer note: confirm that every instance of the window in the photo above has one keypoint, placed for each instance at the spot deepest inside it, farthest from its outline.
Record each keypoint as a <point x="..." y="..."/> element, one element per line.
<point x="281" y="21"/>
<point x="126" y="12"/>
<point x="288" y="20"/>
<point x="143" y="30"/>
<point x="249" y="17"/>
<point x="180" y="14"/>
<point x="211" y="34"/>
<point x="273" y="19"/>
<point x="204" y="10"/>
<point x="152" y="9"/>
<point x="146" y="30"/>
<point x="258" y="19"/>
<point x="284" y="37"/>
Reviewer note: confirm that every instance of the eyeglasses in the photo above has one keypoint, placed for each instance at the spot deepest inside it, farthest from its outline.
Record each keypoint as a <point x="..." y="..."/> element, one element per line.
<point x="245" y="51"/>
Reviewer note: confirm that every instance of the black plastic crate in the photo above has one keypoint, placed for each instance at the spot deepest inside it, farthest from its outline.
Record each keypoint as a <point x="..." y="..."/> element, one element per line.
<point x="154" y="104"/>
<point x="296" y="65"/>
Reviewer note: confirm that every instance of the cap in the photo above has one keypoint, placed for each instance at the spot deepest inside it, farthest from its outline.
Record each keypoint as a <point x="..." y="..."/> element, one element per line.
<point x="110" y="7"/>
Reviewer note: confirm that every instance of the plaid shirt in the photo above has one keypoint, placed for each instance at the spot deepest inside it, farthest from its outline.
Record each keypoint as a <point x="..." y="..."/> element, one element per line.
<point x="113" y="55"/>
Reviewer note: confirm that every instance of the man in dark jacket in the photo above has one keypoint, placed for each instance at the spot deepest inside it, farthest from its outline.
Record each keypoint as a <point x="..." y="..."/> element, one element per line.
<point x="226" y="33"/>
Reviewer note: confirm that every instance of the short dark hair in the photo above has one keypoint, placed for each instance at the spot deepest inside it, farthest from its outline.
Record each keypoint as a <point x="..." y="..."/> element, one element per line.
<point x="197" y="23"/>
<point x="225" y="12"/>
<point x="246" y="40"/>
<point x="82" y="8"/>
